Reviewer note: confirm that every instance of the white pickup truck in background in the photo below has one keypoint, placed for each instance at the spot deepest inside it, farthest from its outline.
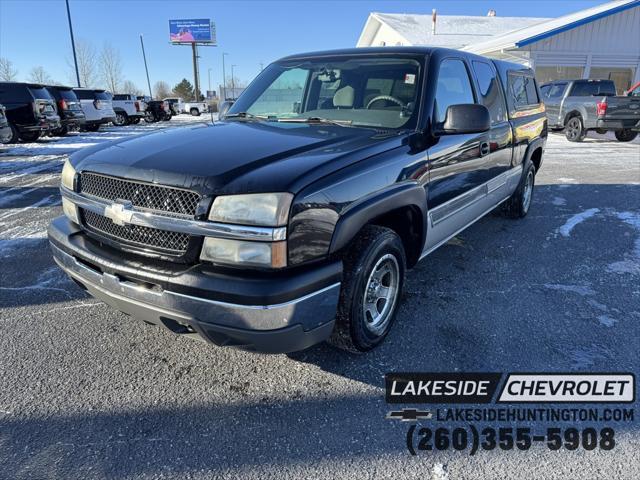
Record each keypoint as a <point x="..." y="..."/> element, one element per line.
<point x="128" y="109"/>
<point x="178" y="105"/>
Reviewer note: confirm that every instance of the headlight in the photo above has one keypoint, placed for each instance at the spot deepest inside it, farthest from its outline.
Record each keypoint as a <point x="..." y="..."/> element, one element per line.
<point x="68" y="175"/>
<point x="236" y="252"/>
<point x="263" y="209"/>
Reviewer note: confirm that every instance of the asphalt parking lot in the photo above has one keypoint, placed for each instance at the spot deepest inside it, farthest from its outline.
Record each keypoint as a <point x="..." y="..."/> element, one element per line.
<point x="88" y="393"/>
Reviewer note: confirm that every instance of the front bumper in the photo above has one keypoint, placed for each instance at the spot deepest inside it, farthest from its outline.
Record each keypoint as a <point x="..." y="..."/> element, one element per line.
<point x="273" y="315"/>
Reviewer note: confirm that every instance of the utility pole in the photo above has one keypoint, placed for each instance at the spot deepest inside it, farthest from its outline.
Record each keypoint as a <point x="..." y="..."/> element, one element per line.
<point x="233" y="83"/>
<point x="196" y="74"/>
<point x="144" y="56"/>
<point x="224" y="79"/>
<point x="73" y="45"/>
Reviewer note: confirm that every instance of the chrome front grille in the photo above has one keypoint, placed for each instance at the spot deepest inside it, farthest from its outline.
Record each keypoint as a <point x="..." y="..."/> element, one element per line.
<point x="173" y="243"/>
<point x="158" y="198"/>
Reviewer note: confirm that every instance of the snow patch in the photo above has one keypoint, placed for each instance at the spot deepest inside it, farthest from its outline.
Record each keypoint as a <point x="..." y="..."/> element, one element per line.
<point x="439" y="472"/>
<point x="558" y="201"/>
<point x="565" y="230"/>
<point x="607" y="321"/>
<point x="631" y="262"/>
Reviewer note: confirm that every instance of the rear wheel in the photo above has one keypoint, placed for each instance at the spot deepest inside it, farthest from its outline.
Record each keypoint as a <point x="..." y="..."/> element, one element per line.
<point x="29" y="136"/>
<point x="121" y="119"/>
<point x="195" y="112"/>
<point x="518" y="204"/>
<point x="374" y="270"/>
<point x="574" y="130"/>
<point x="149" y="116"/>
<point x="625" y="135"/>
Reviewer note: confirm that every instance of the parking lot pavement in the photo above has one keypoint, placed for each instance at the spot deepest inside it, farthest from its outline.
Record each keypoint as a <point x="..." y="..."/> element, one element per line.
<point x="89" y="393"/>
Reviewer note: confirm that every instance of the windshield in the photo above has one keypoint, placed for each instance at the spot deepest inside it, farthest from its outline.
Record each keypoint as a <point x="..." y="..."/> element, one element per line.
<point x="359" y="91"/>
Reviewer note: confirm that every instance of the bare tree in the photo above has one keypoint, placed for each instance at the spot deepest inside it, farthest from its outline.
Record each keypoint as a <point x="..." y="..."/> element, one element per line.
<point x="87" y="64"/>
<point x="7" y="72"/>
<point x="39" y="75"/>
<point x="129" y="87"/>
<point x="111" y="67"/>
<point x="161" y="90"/>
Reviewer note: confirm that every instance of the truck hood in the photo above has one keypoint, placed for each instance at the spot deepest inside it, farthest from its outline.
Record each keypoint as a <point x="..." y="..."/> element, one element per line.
<point x="236" y="157"/>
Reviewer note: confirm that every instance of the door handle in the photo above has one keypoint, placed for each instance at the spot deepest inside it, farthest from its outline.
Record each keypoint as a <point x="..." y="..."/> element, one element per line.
<point x="484" y="149"/>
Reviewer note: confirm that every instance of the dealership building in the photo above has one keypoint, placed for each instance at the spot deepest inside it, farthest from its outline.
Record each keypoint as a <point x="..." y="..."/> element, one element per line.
<point x="602" y="42"/>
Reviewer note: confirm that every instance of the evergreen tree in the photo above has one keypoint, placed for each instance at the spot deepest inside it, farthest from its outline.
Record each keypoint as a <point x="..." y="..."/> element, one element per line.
<point x="184" y="89"/>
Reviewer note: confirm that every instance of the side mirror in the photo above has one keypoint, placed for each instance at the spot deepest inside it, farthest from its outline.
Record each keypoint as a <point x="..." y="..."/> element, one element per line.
<point x="224" y="108"/>
<point x="465" y="118"/>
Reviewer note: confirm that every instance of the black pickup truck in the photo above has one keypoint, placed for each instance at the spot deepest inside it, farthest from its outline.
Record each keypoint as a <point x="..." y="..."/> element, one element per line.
<point x="293" y="220"/>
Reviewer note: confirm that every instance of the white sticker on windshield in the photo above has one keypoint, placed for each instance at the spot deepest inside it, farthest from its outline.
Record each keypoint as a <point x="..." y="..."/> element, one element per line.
<point x="410" y="78"/>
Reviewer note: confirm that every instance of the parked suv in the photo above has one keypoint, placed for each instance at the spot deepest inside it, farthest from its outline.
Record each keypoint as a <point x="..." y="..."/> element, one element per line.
<point x="127" y="108"/>
<point x="176" y="104"/>
<point x="295" y="218"/>
<point x="30" y="110"/>
<point x="578" y="106"/>
<point x="69" y="109"/>
<point x="97" y="107"/>
<point x="157" y="110"/>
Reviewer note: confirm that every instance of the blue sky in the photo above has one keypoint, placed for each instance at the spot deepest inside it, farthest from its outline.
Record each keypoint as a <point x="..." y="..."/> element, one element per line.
<point x="34" y="32"/>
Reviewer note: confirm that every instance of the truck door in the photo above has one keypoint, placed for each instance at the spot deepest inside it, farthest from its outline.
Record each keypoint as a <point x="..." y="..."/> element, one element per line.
<point x="463" y="166"/>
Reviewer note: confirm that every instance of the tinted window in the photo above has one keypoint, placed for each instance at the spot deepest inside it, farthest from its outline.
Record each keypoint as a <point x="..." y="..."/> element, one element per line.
<point x="103" y="95"/>
<point x="453" y="87"/>
<point x="84" y="94"/>
<point x="67" y="94"/>
<point x="522" y="90"/>
<point x="490" y="93"/>
<point x="40" y="93"/>
<point x="544" y="90"/>
<point x="557" y="90"/>
<point x="588" y="89"/>
<point x="121" y="97"/>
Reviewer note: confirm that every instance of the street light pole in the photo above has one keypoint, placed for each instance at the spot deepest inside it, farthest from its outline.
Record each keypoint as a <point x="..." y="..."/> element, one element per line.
<point x="73" y="44"/>
<point x="224" y="79"/>
<point x="233" y="83"/>
<point x="144" y="56"/>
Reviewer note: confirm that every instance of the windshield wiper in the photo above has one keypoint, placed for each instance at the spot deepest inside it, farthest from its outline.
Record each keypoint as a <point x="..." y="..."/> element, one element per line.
<point x="342" y="123"/>
<point x="248" y="115"/>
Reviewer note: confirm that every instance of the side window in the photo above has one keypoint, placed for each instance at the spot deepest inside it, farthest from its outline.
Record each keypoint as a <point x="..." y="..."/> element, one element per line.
<point x="490" y="93"/>
<point x="557" y="90"/>
<point x="522" y="90"/>
<point x="544" y="90"/>
<point x="454" y="87"/>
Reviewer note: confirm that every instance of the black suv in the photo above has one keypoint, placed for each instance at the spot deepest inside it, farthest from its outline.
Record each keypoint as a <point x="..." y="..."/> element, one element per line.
<point x="30" y="110"/>
<point x="295" y="218"/>
<point x="69" y="109"/>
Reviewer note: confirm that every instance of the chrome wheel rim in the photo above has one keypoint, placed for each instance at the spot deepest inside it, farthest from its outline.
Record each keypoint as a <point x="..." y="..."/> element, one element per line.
<point x="528" y="190"/>
<point x="381" y="294"/>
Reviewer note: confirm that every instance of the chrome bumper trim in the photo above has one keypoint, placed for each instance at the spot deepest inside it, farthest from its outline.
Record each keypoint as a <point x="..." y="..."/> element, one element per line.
<point x="312" y="310"/>
<point x="176" y="224"/>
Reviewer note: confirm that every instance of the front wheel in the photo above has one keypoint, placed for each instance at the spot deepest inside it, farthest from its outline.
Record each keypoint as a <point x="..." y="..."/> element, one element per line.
<point x="195" y="112"/>
<point x="149" y="117"/>
<point x="574" y="130"/>
<point x="374" y="270"/>
<point x="29" y="136"/>
<point x="518" y="204"/>
<point x="625" y="135"/>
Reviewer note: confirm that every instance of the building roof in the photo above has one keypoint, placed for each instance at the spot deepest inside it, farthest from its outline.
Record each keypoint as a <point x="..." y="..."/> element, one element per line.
<point x="452" y="31"/>
<point x="531" y="34"/>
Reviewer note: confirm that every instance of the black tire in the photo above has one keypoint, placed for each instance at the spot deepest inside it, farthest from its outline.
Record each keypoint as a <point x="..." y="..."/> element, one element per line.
<point x="626" y="135"/>
<point x="574" y="129"/>
<point x="60" y="132"/>
<point x="519" y="203"/>
<point x="355" y="329"/>
<point x="194" y="112"/>
<point x="29" y="136"/>
<point x="150" y="117"/>
<point x="120" y="119"/>
<point x="167" y="117"/>
<point x="14" y="134"/>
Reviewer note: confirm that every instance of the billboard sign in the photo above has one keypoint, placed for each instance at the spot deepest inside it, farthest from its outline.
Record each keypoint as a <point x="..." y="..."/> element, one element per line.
<point x="199" y="30"/>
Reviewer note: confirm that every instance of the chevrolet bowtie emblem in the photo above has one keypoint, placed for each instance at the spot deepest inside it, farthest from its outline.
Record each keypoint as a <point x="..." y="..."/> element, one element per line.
<point x="120" y="213"/>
